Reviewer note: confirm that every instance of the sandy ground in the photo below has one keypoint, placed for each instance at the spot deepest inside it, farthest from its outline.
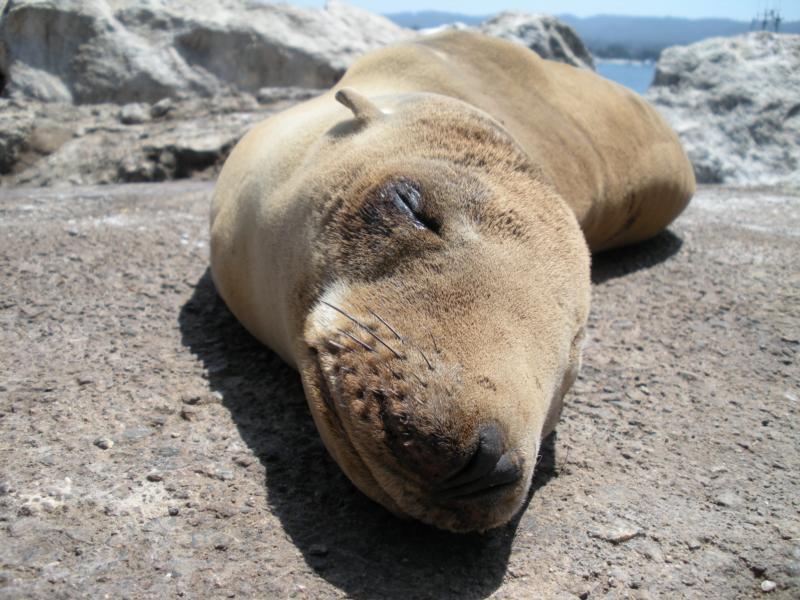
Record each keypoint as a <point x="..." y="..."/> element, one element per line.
<point x="150" y="448"/>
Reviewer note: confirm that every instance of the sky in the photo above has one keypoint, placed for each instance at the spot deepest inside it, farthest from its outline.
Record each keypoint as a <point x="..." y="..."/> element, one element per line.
<point x="741" y="10"/>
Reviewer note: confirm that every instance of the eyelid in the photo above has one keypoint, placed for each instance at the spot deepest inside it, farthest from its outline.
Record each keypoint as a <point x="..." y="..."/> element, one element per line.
<point x="407" y="199"/>
<point x="407" y="203"/>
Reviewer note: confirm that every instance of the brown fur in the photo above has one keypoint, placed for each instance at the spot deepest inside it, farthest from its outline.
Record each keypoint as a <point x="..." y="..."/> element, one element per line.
<point x="411" y="335"/>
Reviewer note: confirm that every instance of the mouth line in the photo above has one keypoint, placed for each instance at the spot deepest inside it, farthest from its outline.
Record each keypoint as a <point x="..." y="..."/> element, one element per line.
<point x="327" y="397"/>
<point x="482" y="494"/>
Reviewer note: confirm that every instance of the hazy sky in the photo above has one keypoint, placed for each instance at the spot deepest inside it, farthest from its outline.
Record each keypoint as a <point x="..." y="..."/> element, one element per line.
<point x="742" y="10"/>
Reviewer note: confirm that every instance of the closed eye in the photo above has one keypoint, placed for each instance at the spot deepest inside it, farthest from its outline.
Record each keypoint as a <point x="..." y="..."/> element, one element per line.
<point x="407" y="199"/>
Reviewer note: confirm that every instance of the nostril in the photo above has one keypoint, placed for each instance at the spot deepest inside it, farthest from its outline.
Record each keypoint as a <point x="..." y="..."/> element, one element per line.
<point x="507" y="471"/>
<point x="486" y="457"/>
<point x="489" y="469"/>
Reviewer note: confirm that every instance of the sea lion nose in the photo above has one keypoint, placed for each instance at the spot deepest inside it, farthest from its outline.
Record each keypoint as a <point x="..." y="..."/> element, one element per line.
<point x="488" y="468"/>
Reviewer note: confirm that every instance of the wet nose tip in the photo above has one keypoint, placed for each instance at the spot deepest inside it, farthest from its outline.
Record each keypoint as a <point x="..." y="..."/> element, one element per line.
<point x="489" y="467"/>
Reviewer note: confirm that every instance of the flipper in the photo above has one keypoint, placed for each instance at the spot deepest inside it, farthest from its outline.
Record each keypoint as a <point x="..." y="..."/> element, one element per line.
<point x="362" y="107"/>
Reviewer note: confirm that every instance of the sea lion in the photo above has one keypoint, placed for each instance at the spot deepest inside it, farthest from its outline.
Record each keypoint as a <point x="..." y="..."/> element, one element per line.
<point x="416" y="243"/>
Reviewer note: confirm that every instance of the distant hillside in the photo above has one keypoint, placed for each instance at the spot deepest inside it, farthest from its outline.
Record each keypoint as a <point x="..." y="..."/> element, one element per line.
<point x="645" y="37"/>
<point x="433" y="18"/>
<point x="612" y="36"/>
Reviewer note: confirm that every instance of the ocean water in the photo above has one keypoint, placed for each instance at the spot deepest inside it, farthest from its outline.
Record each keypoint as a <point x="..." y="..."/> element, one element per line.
<point x="633" y="74"/>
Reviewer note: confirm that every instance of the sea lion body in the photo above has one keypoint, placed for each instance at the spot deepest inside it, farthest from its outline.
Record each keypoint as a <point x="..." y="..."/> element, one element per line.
<point x="418" y="251"/>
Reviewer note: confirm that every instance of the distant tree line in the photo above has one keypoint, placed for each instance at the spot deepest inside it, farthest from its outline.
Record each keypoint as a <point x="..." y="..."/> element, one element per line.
<point x="622" y="51"/>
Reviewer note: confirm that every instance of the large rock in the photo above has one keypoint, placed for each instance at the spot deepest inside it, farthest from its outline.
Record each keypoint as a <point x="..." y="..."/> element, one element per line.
<point x="735" y="103"/>
<point x="91" y="51"/>
<point x="548" y="36"/>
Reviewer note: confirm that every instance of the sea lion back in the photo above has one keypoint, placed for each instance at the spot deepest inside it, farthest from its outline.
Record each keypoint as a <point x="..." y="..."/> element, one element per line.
<point x="611" y="156"/>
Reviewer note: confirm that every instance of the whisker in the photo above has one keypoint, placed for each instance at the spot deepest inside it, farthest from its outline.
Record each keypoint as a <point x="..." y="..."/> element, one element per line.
<point x="418" y="378"/>
<point x="392" y="350"/>
<point x="364" y="327"/>
<point x="389" y="327"/>
<point x="430" y="366"/>
<point x="341" y="311"/>
<point x="364" y="345"/>
<point x="435" y="346"/>
<point x="337" y="345"/>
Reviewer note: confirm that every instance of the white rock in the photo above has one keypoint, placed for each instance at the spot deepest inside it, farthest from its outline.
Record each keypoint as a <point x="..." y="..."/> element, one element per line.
<point x="134" y="113"/>
<point x="144" y="50"/>
<point x="546" y="35"/>
<point x="735" y="103"/>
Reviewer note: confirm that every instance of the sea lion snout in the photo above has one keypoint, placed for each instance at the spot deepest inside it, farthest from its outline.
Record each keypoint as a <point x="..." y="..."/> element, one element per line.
<point x="489" y="470"/>
<point x="406" y="419"/>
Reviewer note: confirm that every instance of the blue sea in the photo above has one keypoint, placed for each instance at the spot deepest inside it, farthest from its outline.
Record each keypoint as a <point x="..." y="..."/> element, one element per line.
<point x="634" y="74"/>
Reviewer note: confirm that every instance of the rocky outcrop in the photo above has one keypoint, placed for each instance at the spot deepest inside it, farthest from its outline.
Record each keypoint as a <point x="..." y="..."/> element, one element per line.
<point x="123" y="51"/>
<point x="549" y="37"/>
<point x="47" y="144"/>
<point x="735" y="103"/>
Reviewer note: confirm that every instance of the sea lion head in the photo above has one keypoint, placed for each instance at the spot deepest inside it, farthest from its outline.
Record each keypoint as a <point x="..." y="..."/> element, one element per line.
<point x="444" y="310"/>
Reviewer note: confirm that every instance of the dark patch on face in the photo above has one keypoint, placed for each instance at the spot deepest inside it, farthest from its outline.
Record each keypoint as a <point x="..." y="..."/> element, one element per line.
<point x="424" y="452"/>
<point x="395" y="205"/>
<point x="382" y="227"/>
<point x="486" y="383"/>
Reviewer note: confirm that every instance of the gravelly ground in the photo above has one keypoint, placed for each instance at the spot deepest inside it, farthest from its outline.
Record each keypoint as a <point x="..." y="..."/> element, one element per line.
<point x="150" y="448"/>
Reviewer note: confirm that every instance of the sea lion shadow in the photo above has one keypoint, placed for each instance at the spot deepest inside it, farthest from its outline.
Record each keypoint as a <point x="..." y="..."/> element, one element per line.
<point x="619" y="262"/>
<point x="350" y="541"/>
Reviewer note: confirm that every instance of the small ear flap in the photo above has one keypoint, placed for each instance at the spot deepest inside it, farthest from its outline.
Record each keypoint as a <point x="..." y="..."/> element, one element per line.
<point x="362" y="107"/>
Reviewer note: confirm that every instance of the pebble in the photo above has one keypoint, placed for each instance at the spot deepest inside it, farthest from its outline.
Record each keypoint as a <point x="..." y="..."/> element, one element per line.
<point x="616" y="533"/>
<point x="216" y="472"/>
<point x="189" y="414"/>
<point x="223" y="541"/>
<point x="727" y="499"/>
<point x="155" y="477"/>
<point x="173" y="511"/>
<point x="161" y="108"/>
<point x="133" y="114"/>
<point x="244" y="460"/>
<point x="767" y="585"/>
<point x="104" y="443"/>
<point x="202" y="398"/>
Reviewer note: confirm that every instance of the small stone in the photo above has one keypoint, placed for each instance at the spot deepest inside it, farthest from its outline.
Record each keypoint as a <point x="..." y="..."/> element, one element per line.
<point x="173" y="511"/>
<point x="693" y="544"/>
<point x="244" y="460"/>
<point x="727" y="499"/>
<point x="104" y="443"/>
<point x="223" y="541"/>
<point x="202" y="398"/>
<point x="161" y="108"/>
<point x="155" y="477"/>
<point x="216" y="472"/>
<point x="133" y="114"/>
<point x="767" y="585"/>
<point x="617" y="532"/>
<point x="5" y="488"/>
<point x="189" y="414"/>
<point x="318" y="550"/>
